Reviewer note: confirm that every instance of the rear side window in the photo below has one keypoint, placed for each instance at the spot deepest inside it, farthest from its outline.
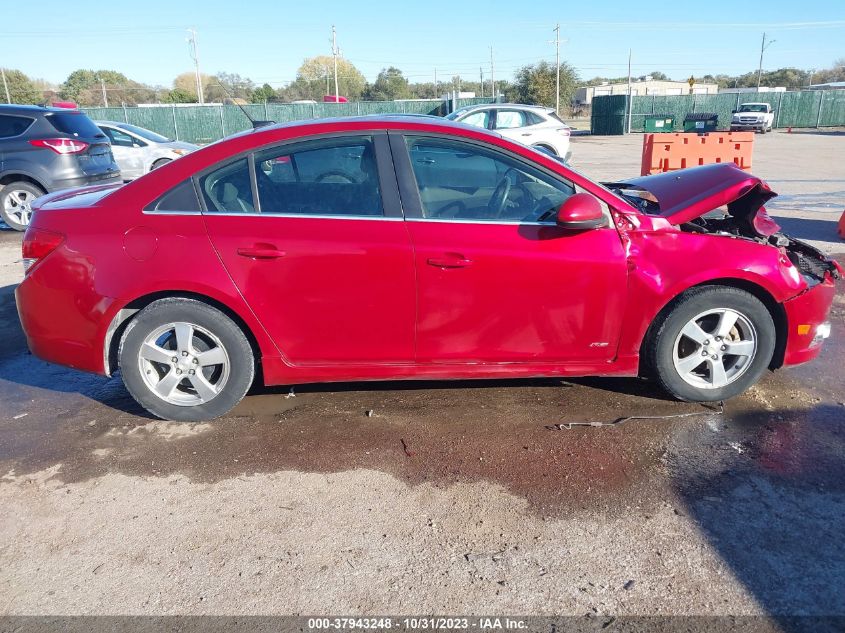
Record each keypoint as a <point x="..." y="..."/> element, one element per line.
<point x="507" y="119"/>
<point x="532" y="118"/>
<point x="121" y="139"/>
<point x="75" y="123"/>
<point x="229" y="188"/>
<point x="333" y="176"/>
<point x="13" y="125"/>
<point x="183" y="197"/>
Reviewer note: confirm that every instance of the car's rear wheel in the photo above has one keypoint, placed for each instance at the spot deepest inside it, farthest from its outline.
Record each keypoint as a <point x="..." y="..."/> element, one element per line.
<point x="182" y="359"/>
<point x="16" y="200"/>
<point x="714" y="344"/>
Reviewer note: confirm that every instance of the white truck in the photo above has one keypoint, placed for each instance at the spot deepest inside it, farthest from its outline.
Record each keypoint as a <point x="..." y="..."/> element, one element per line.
<point x="753" y="116"/>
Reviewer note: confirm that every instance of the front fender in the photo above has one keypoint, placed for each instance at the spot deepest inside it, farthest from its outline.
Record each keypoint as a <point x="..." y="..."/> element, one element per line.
<point x="663" y="264"/>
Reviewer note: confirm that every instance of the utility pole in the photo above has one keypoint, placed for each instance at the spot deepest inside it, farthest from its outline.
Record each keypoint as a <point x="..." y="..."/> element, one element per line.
<point x="435" y="83"/>
<point x="557" y="68"/>
<point x="763" y="48"/>
<point x="5" y="85"/>
<point x="105" y="96"/>
<point x="335" y="53"/>
<point x="492" y="76"/>
<point x="630" y="97"/>
<point x="196" y="57"/>
<point x="481" y="80"/>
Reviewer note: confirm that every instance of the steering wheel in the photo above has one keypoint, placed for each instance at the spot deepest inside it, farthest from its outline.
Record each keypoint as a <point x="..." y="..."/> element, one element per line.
<point x="335" y="175"/>
<point x="496" y="206"/>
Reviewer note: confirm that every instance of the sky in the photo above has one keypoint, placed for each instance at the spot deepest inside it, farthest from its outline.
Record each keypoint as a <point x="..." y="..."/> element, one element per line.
<point x="267" y="41"/>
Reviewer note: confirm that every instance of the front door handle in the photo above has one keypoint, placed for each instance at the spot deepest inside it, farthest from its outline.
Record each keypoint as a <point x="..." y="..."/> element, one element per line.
<point x="456" y="261"/>
<point x="261" y="251"/>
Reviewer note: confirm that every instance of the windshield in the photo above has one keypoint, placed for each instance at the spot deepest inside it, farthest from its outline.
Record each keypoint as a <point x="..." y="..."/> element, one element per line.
<point x="460" y="111"/>
<point x="753" y="107"/>
<point x="75" y="123"/>
<point x="145" y="134"/>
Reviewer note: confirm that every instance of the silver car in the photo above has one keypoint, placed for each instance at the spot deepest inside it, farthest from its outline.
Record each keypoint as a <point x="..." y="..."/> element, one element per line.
<point x="138" y="151"/>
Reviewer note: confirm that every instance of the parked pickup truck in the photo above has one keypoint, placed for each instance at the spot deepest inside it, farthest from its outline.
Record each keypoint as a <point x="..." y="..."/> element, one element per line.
<point x="753" y="116"/>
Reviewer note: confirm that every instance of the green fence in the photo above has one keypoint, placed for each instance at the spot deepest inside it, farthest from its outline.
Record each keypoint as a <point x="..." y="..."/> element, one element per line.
<point x="205" y="124"/>
<point x="809" y="108"/>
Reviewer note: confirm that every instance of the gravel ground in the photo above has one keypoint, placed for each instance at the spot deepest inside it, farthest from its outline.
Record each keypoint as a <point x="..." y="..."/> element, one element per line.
<point x="462" y="498"/>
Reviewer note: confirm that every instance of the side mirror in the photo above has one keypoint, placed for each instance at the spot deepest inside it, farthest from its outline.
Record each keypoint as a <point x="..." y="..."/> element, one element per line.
<point x="581" y="211"/>
<point x="734" y="111"/>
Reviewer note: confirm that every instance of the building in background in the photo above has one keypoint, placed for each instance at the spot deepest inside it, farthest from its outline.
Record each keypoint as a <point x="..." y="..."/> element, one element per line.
<point x="639" y="87"/>
<point x="744" y="90"/>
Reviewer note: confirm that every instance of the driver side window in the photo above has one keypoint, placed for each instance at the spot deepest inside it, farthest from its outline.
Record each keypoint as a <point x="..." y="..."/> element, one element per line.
<point x="463" y="181"/>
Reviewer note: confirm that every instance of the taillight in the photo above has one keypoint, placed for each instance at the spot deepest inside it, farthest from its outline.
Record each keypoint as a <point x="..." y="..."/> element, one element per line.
<point x="61" y="145"/>
<point x="37" y="244"/>
<point x="565" y="131"/>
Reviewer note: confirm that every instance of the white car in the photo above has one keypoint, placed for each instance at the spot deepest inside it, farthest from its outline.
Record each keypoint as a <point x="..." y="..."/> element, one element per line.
<point x="138" y="151"/>
<point x="536" y="126"/>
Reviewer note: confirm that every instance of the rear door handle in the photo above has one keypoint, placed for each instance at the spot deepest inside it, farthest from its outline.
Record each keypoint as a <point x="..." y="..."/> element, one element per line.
<point x="261" y="251"/>
<point x="450" y="262"/>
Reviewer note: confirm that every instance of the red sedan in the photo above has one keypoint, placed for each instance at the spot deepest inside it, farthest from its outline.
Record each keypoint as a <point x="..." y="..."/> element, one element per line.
<point x="409" y="247"/>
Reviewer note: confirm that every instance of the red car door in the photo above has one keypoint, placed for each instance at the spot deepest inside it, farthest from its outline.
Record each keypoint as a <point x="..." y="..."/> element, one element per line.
<point x="497" y="279"/>
<point x="312" y="234"/>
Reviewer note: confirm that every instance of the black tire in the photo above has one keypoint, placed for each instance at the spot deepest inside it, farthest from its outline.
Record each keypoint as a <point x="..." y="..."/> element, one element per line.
<point x="160" y="162"/>
<point x="660" y="345"/>
<point x="547" y="148"/>
<point x="240" y="360"/>
<point x="11" y="220"/>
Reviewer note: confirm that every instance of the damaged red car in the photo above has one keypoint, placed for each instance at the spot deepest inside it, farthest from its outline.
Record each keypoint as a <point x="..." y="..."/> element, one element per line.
<point x="410" y="247"/>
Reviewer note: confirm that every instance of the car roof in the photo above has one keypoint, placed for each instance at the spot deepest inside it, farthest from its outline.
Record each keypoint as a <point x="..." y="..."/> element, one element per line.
<point x="31" y="109"/>
<point x="387" y="119"/>
<point x="508" y="106"/>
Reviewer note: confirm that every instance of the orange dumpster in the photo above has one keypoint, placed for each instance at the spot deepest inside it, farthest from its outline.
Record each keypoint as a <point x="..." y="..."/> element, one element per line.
<point x="668" y="152"/>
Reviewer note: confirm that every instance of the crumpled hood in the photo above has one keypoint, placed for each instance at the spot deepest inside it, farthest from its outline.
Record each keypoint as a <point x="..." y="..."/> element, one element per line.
<point x="687" y="194"/>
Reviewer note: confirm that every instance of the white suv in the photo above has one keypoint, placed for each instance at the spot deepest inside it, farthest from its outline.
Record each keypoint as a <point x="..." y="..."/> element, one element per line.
<point x="536" y="126"/>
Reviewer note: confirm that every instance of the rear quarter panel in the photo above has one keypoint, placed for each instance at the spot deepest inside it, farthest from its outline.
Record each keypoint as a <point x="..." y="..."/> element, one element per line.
<point x="109" y="259"/>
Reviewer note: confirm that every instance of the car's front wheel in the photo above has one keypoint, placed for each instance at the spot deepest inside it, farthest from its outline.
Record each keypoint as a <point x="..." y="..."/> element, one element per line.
<point x="160" y="163"/>
<point x="714" y="344"/>
<point x="16" y="200"/>
<point x="184" y="360"/>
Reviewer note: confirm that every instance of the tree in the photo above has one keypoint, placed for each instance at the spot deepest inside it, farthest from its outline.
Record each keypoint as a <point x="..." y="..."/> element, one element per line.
<point x="21" y="89"/>
<point x="264" y="93"/>
<point x="318" y="74"/>
<point x="535" y="84"/>
<point x="178" y="95"/>
<point x="225" y="86"/>
<point x="85" y="87"/>
<point x="389" y="85"/>
<point x="185" y="87"/>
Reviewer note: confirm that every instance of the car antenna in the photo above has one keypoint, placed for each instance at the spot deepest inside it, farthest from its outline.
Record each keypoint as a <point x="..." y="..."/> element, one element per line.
<point x="256" y="123"/>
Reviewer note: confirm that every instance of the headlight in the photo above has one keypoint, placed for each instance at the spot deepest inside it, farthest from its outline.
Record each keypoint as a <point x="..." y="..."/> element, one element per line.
<point x="822" y="332"/>
<point x="181" y="152"/>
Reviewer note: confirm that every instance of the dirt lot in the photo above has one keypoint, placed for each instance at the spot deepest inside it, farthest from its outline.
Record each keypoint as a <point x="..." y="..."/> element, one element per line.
<point x="450" y="498"/>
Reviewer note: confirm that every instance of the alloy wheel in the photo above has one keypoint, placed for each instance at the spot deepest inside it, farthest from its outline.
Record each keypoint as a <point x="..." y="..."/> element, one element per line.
<point x="714" y="348"/>
<point x="184" y="364"/>
<point x="17" y="205"/>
